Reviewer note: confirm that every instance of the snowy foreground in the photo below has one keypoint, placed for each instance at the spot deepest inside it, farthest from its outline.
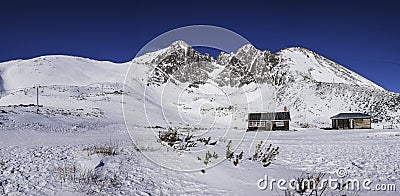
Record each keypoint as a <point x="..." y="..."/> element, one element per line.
<point x="67" y="159"/>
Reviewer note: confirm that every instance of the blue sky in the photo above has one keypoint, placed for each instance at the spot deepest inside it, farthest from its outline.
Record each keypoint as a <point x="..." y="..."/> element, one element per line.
<point x="363" y="36"/>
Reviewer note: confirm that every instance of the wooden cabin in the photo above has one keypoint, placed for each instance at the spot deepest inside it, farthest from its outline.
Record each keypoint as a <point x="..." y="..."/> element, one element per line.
<point x="271" y="121"/>
<point x="351" y="121"/>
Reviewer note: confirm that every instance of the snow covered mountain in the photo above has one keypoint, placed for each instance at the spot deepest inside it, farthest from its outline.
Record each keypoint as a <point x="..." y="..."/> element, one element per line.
<point x="178" y="87"/>
<point x="311" y="86"/>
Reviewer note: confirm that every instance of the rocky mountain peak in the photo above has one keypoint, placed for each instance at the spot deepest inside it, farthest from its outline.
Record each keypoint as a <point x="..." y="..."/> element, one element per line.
<point x="180" y="44"/>
<point x="247" y="48"/>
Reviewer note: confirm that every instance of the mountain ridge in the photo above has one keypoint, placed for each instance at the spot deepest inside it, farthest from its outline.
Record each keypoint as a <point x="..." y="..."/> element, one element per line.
<point x="311" y="86"/>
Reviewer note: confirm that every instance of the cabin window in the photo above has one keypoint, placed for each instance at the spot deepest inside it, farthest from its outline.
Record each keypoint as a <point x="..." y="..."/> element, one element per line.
<point x="256" y="124"/>
<point x="251" y="124"/>
<point x="280" y="124"/>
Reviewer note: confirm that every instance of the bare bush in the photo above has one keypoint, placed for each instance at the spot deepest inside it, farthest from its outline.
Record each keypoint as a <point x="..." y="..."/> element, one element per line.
<point x="208" y="157"/>
<point x="229" y="152"/>
<point x="85" y="180"/>
<point x="238" y="157"/>
<point x="308" y="183"/>
<point x="265" y="155"/>
<point x="177" y="141"/>
<point x="107" y="150"/>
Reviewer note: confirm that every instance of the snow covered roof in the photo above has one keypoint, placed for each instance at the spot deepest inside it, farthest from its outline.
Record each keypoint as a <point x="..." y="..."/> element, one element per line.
<point x="350" y="116"/>
<point x="270" y="116"/>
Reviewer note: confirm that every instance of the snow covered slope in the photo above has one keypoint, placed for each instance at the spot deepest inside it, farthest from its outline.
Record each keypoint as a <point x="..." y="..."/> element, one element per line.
<point x="58" y="70"/>
<point x="321" y="69"/>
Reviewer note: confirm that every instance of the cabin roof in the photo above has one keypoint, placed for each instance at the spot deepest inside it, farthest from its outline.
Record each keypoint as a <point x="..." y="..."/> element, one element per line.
<point x="350" y="116"/>
<point x="270" y="116"/>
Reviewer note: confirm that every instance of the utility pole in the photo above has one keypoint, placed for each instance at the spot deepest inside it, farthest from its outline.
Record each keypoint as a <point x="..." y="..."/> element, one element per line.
<point x="37" y="98"/>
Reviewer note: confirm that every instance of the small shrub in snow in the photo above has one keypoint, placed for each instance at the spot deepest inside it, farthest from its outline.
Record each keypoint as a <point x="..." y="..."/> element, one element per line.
<point x="188" y="137"/>
<point x="207" y="141"/>
<point x="229" y="152"/>
<point x="305" y="125"/>
<point x="238" y="157"/>
<point x="264" y="155"/>
<point x="215" y="155"/>
<point x="208" y="157"/>
<point x="86" y="180"/>
<point x="308" y="184"/>
<point x="108" y="150"/>
<point x="170" y="136"/>
<point x="173" y="139"/>
<point x="204" y="140"/>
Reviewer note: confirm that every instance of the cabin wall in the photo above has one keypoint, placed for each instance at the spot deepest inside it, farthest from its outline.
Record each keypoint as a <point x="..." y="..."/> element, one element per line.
<point x="280" y="125"/>
<point x="269" y="126"/>
<point x="256" y="125"/>
<point x="334" y="124"/>
<point x="364" y="123"/>
<point x="342" y="124"/>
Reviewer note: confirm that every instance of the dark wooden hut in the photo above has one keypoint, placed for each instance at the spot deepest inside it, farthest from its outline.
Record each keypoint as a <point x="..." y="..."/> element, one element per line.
<point x="351" y="121"/>
<point x="270" y="121"/>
